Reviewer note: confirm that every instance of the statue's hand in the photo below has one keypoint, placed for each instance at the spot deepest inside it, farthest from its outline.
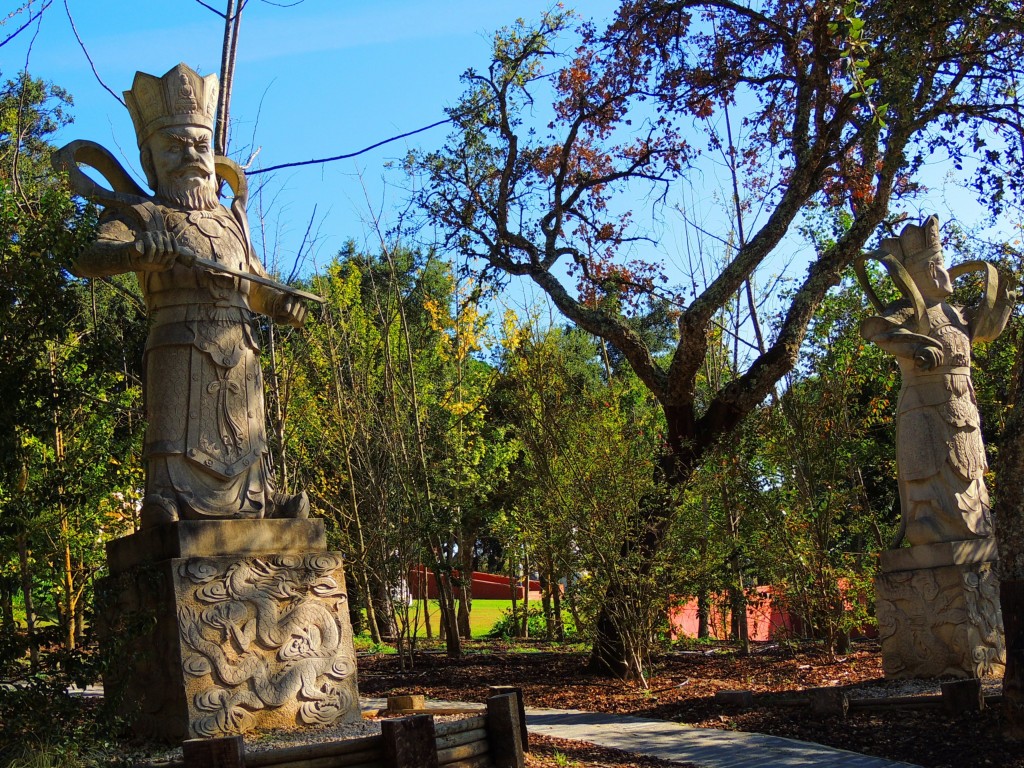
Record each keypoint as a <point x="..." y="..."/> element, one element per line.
<point x="927" y="357"/>
<point x="293" y="311"/>
<point x="154" y="252"/>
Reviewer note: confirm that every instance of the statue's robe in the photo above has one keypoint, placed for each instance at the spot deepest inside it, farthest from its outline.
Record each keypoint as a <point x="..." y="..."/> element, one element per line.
<point x="206" y="449"/>
<point x="940" y="456"/>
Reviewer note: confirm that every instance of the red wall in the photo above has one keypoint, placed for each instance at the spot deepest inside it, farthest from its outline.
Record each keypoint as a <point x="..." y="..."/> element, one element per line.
<point x="765" y="619"/>
<point x="486" y="586"/>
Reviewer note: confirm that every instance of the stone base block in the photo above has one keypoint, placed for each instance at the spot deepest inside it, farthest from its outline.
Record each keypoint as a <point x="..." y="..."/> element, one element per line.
<point x="942" y="620"/>
<point x="213" y="538"/>
<point x="220" y="645"/>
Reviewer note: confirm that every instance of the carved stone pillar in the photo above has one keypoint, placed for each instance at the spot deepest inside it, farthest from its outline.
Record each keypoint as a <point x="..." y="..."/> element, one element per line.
<point x="213" y="628"/>
<point x="938" y="611"/>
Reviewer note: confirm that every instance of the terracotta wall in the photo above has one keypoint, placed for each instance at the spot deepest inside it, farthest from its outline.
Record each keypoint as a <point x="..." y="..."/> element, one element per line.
<point x="486" y="586"/>
<point x="765" y="619"/>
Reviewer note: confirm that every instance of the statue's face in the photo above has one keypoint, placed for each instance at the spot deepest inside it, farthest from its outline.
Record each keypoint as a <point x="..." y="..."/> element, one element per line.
<point x="182" y="161"/>
<point x="182" y="153"/>
<point x="934" y="281"/>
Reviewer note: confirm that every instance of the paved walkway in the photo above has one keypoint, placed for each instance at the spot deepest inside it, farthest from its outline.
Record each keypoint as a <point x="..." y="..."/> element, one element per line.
<point x="704" y="747"/>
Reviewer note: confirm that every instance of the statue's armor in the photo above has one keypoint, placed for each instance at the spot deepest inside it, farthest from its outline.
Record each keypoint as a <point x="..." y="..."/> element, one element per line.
<point x="206" y="447"/>
<point x="940" y="453"/>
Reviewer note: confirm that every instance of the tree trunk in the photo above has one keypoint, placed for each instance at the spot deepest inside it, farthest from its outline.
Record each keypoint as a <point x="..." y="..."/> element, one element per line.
<point x="556" y="602"/>
<point x="609" y="654"/>
<point x="426" y="617"/>
<point x="513" y="587"/>
<point x="371" y="611"/>
<point x="68" y="585"/>
<point x="6" y="608"/>
<point x="738" y="606"/>
<point x="703" y="614"/>
<point x="466" y="585"/>
<point x="526" y="595"/>
<point x="356" y="600"/>
<point x="465" y="630"/>
<point x="545" y="602"/>
<point x="79" y="624"/>
<point x="381" y="599"/>
<point x="449" y="619"/>
<point x="26" y="590"/>
<point x="574" y="609"/>
<point x="1009" y="525"/>
<point x="1011" y="600"/>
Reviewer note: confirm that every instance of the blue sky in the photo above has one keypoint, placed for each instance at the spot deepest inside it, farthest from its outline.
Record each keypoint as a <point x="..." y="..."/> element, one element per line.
<point x="328" y="77"/>
<point x="322" y="78"/>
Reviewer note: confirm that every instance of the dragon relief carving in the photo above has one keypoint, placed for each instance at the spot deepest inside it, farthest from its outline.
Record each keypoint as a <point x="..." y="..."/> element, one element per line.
<point x="942" y="621"/>
<point x="268" y="633"/>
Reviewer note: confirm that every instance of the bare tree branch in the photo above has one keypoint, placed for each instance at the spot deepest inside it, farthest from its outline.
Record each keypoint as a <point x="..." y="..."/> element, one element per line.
<point x="88" y="57"/>
<point x="25" y="26"/>
<point x="211" y="8"/>
<point x="232" y="19"/>
<point x="351" y="154"/>
<point x="32" y="42"/>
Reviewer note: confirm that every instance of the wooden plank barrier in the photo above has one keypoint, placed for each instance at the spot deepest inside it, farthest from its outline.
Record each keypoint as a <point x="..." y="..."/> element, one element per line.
<point x="225" y="752"/>
<point x="504" y="733"/>
<point x="346" y="753"/>
<point x="498" y="690"/>
<point x="460" y="738"/>
<point x="490" y="739"/>
<point x="409" y="742"/>
<point x="463" y="752"/>
<point x="458" y="726"/>
<point x="462" y="743"/>
<point x="483" y="761"/>
<point x="365" y="759"/>
<point x="962" y="696"/>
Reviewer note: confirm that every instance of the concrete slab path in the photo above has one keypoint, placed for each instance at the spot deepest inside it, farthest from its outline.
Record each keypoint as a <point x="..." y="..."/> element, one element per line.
<point x="704" y="747"/>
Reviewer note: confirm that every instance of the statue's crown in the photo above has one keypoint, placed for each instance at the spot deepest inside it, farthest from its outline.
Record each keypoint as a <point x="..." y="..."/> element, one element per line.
<point x="916" y="245"/>
<point x="181" y="97"/>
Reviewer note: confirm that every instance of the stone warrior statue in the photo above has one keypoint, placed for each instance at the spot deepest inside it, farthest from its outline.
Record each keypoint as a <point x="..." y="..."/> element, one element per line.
<point x="940" y="458"/>
<point x="206" y="448"/>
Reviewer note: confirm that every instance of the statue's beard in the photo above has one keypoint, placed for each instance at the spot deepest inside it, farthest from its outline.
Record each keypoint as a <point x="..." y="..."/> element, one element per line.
<point x="189" y="192"/>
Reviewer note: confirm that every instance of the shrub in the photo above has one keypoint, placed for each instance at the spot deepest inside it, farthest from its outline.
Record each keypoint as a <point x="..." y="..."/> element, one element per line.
<point x="505" y="629"/>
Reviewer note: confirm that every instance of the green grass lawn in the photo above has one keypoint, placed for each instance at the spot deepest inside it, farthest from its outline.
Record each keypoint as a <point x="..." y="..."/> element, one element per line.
<point x="484" y="615"/>
<point x="482" y="618"/>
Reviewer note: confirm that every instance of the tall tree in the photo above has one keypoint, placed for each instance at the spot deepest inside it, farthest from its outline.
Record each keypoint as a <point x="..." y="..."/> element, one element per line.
<point x="843" y="103"/>
<point x="70" y="390"/>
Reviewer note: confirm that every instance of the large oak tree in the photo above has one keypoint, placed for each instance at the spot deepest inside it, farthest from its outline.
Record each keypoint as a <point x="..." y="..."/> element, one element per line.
<point x="842" y="104"/>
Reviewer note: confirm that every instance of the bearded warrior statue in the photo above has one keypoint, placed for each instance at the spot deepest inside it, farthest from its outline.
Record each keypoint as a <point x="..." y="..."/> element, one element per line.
<point x="206" y="452"/>
<point x="940" y="457"/>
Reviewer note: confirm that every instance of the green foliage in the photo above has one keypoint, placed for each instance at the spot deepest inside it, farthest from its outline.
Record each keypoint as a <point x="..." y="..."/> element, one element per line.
<point x="830" y="443"/>
<point x="585" y="473"/>
<point x="509" y="626"/>
<point x="45" y="725"/>
<point x="71" y="427"/>
<point x="391" y="429"/>
<point x="843" y="105"/>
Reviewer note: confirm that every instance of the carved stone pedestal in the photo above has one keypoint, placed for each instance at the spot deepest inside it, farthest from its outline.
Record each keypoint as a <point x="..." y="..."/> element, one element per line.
<point x="219" y="627"/>
<point x="938" y="611"/>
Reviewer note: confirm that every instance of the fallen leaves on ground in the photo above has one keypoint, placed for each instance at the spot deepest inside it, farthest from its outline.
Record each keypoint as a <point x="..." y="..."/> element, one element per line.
<point x="560" y="753"/>
<point x="682" y="689"/>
